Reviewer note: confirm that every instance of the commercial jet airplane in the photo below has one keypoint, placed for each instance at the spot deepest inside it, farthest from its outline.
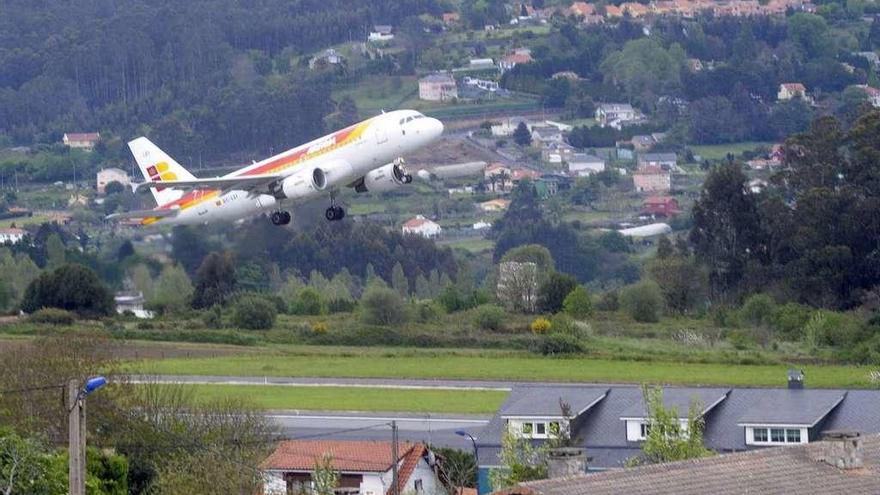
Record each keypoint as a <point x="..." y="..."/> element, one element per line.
<point x="365" y="157"/>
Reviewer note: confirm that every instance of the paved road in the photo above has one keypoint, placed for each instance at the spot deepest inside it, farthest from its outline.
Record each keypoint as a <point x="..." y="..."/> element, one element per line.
<point x="432" y="429"/>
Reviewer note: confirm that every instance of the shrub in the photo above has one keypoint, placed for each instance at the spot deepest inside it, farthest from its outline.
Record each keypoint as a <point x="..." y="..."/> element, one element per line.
<point x="308" y="302"/>
<point x="554" y="290"/>
<point x="213" y="317"/>
<point x="757" y="310"/>
<point x="490" y="317"/>
<point x="319" y="327"/>
<point x="254" y="313"/>
<point x="427" y="311"/>
<point x="642" y="301"/>
<point x="71" y="287"/>
<point x="562" y="323"/>
<point x="577" y="303"/>
<point x="609" y="301"/>
<point x="52" y="316"/>
<point x="382" y="306"/>
<point x="540" y="326"/>
<point x="790" y="319"/>
<point x="341" y="306"/>
<point x="559" y="343"/>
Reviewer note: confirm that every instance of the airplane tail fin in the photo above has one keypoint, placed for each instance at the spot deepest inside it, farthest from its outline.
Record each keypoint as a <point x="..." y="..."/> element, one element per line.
<point x="157" y="166"/>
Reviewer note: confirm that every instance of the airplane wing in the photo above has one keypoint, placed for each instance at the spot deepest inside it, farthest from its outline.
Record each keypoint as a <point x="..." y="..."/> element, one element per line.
<point x="245" y="183"/>
<point x="127" y="215"/>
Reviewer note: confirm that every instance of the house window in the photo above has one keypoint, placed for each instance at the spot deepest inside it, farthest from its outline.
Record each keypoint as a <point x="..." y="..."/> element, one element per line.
<point x="793" y="436"/>
<point x="760" y="434"/>
<point x="777" y="435"/>
<point x="418" y="486"/>
<point x="541" y="429"/>
<point x="644" y="430"/>
<point x="527" y="429"/>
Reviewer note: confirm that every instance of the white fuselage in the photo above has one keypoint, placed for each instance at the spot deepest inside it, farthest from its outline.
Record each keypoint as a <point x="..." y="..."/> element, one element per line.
<point x="344" y="157"/>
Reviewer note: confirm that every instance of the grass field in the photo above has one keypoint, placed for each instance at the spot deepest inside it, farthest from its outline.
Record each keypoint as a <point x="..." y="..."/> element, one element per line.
<point x="23" y="221"/>
<point x="472" y="245"/>
<point x="357" y="398"/>
<point x="503" y="366"/>
<point x="719" y="151"/>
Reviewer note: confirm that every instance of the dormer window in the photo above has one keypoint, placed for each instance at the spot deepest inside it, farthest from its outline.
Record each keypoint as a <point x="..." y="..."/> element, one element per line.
<point x="538" y="429"/>
<point x="776" y="435"/>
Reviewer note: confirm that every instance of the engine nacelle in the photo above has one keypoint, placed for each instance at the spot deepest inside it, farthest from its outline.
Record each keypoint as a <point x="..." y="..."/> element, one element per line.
<point x="383" y="179"/>
<point x="304" y="184"/>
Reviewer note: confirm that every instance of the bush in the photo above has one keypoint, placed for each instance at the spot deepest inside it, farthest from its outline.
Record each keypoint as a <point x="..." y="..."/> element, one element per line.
<point x="559" y="343"/>
<point x="577" y="304"/>
<point x="52" y="316"/>
<point x="790" y="319"/>
<point x="70" y="287"/>
<point x="642" y="301"/>
<point x="490" y="317"/>
<point x="562" y="323"/>
<point x="319" y="327"/>
<point x="308" y="302"/>
<point x="382" y="306"/>
<point x="609" y="301"/>
<point x="253" y="313"/>
<point x="341" y="306"/>
<point x="427" y="311"/>
<point x="540" y="326"/>
<point x="757" y="310"/>
<point x="213" y="317"/>
<point x="554" y="290"/>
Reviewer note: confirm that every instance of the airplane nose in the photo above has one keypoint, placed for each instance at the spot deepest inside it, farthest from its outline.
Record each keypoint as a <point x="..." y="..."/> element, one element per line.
<point x="435" y="128"/>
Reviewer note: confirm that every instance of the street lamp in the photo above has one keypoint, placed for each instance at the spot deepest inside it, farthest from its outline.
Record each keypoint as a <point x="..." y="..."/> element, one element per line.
<point x="463" y="433"/>
<point x="76" y="397"/>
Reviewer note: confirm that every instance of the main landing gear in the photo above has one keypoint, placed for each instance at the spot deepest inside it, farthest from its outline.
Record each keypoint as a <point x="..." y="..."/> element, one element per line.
<point x="334" y="213"/>
<point x="280" y="217"/>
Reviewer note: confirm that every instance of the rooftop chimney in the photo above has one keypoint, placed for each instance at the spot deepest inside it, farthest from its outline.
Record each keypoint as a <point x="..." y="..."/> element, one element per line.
<point x="838" y="448"/>
<point x="795" y="379"/>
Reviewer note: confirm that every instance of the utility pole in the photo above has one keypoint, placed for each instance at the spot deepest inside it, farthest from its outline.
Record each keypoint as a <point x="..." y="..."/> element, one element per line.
<point x="76" y="439"/>
<point x="395" y="489"/>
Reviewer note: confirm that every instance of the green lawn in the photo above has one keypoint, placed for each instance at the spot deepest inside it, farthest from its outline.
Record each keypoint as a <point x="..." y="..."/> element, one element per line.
<point x="719" y="151"/>
<point x="497" y="366"/>
<point x="374" y="94"/>
<point x="357" y="398"/>
<point x="472" y="245"/>
<point x="23" y="221"/>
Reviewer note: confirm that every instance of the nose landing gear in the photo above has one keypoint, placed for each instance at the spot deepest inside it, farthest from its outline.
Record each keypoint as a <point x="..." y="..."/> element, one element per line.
<point x="280" y="217"/>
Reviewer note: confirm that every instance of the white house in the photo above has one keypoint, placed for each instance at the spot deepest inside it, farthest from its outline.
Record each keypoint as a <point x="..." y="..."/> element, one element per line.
<point x="615" y="114"/>
<point x="437" y="87"/>
<point x="329" y="57"/>
<point x="81" y="140"/>
<point x="423" y="227"/>
<point x="508" y="126"/>
<point x="788" y="91"/>
<point x="133" y="303"/>
<point x="519" y="56"/>
<point x="546" y="134"/>
<point x="381" y="33"/>
<point x="11" y="235"/>
<point x="364" y="468"/>
<point x="582" y="165"/>
<point x="108" y="175"/>
<point x="873" y="94"/>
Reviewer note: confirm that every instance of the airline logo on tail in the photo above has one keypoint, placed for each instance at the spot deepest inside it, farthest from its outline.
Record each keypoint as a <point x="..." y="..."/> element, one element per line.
<point x="159" y="172"/>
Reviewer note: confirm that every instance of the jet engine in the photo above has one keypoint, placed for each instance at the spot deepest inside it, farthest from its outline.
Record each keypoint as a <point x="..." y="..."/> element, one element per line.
<point x="383" y="179"/>
<point x="304" y="184"/>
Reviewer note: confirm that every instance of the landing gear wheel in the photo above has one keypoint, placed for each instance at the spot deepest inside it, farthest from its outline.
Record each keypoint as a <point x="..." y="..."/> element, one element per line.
<point x="340" y="213"/>
<point x="334" y="213"/>
<point x="277" y="218"/>
<point x="407" y="179"/>
<point x="286" y="217"/>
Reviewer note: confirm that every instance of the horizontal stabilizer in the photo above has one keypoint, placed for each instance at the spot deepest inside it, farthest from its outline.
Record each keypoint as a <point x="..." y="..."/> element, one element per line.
<point x="143" y="214"/>
<point x="245" y="183"/>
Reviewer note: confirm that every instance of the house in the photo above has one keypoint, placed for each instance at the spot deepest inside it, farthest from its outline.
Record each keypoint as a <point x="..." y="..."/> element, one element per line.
<point x="666" y="161"/>
<point x="81" y="140"/>
<point x="871" y="57"/>
<point x="843" y="462"/>
<point x="328" y="57"/>
<point x="546" y="134"/>
<point x="661" y="206"/>
<point x="614" y="114"/>
<point x="634" y="9"/>
<point x="788" y="91"/>
<point x="494" y="205"/>
<point x="496" y="170"/>
<point x="557" y="152"/>
<point x="364" y="467"/>
<point x="508" y="126"/>
<point x="582" y="165"/>
<point x="481" y="64"/>
<point x="519" y="56"/>
<point x="521" y="174"/>
<point x="610" y="419"/>
<point x="107" y="175"/>
<point x="642" y="142"/>
<point x="482" y="84"/>
<point x="566" y="74"/>
<point x="423" y="227"/>
<point x="613" y="11"/>
<point x="451" y="18"/>
<point x="438" y="87"/>
<point x="11" y="235"/>
<point x="873" y="94"/>
<point x="381" y="32"/>
<point x="132" y="302"/>
<point x="652" y="179"/>
<point x="582" y="9"/>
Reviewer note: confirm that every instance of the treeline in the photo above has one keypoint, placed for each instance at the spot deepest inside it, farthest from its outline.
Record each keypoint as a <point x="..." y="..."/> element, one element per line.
<point x="202" y="77"/>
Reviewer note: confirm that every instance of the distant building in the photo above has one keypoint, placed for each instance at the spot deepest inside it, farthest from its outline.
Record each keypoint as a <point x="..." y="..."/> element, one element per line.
<point x="873" y="94"/>
<point x="582" y="9"/>
<point x="788" y="91"/>
<point x="481" y="64"/>
<point x="438" y="87"/>
<point x="652" y="179"/>
<point x="364" y="468"/>
<point x="582" y="165"/>
<point x="423" y="227"/>
<point x="642" y="142"/>
<point x="11" y="235"/>
<point x="519" y="56"/>
<point x="381" y="32"/>
<point x="494" y="205"/>
<point x="483" y="84"/>
<point x="328" y="57"/>
<point x="614" y="114"/>
<point x="660" y="206"/>
<point x="508" y="126"/>
<point x="546" y="134"/>
<point x="451" y="18"/>
<point x="108" y="175"/>
<point x="133" y="303"/>
<point x="666" y="161"/>
<point x="557" y="152"/>
<point x="81" y="140"/>
<point x="871" y="57"/>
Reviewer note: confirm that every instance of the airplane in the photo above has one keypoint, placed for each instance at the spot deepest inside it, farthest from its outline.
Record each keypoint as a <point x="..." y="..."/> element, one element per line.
<point x="366" y="157"/>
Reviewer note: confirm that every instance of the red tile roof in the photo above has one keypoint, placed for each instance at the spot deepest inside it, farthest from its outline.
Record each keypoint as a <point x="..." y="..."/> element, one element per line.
<point x="794" y="87"/>
<point x="416" y="222"/>
<point x="517" y="58"/>
<point x="410" y="461"/>
<point x="348" y="456"/>
<point x="83" y="136"/>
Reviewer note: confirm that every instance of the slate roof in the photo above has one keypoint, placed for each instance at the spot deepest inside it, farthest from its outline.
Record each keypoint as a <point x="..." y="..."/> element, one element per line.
<point x="544" y="400"/>
<point x="792" y="407"/>
<point x="659" y="157"/>
<point x="790" y="469"/>
<point x="681" y="399"/>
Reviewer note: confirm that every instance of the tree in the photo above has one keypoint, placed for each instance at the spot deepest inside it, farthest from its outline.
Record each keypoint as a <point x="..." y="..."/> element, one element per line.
<point x="643" y="301"/>
<point x="682" y="281"/>
<point x="189" y="246"/>
<point x="253" y="313"/>
<point x="215" y="280"/>
<point x="554" y="290"/>
<point x="70" y="287"/>
<point x="520" y="461"/>
<point x="308" y="302"/>
<point x="55" y="252"/>
<point x="669" y="440"/>
<point x="25" y="467"/>
<point x="125" y="250"/>
<point x="399" y="281"/>
<point x="382" y="306"/>
<point x="324" y="478"/>
<point x="577" y="303"/>
<point x="173" y="291"/>
<point x="522" y="136"/>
